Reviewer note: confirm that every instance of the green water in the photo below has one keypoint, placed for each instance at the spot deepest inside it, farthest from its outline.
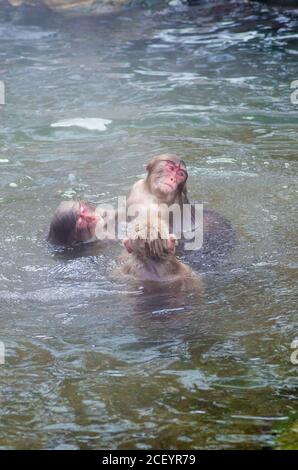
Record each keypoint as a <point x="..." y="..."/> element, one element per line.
<point x="92" y="363"/>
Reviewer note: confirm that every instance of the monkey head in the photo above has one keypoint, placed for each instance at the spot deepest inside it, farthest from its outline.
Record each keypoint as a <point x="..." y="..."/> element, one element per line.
<point x="73" y="222"/>
<point x="167" y="176"/>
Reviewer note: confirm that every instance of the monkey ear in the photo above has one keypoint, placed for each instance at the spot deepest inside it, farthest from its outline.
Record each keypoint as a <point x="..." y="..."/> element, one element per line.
<point x="128" y="245"/>
<point x="152" y="163"/>
<point x="171" y="242"/>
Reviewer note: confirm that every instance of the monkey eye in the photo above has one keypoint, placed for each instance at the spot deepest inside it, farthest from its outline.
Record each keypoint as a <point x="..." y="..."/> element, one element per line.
<point x="182" y="173"/>
<point x="179" y="171"/>
<point x="170" y="166"/>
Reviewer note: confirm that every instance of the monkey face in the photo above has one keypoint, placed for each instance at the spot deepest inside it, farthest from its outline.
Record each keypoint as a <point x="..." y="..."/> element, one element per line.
<point x="73" y="222"/>
<point x="169" y="177"/>
<point x="87" y="219"/>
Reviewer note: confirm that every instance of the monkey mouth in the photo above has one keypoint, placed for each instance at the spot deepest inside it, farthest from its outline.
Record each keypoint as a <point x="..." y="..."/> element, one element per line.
<point x="169" y="186"/>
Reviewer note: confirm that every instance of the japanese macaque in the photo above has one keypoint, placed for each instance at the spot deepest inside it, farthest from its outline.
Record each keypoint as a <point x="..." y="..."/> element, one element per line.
<point x="73" y="222"/>
<point x="151" y="255"/>
<point x="165" y="184"/>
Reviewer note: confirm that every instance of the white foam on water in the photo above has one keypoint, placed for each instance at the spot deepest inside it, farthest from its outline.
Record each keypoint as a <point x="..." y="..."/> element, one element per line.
<point x="92" y="124"/>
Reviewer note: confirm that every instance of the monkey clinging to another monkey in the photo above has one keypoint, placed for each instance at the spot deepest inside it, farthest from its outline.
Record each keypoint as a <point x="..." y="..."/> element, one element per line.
<point x="151" y="254"/>
<point x="166" y="184"/>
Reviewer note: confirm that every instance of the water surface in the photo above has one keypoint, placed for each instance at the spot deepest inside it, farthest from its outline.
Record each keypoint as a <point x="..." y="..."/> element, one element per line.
<point x="93" y="363"/>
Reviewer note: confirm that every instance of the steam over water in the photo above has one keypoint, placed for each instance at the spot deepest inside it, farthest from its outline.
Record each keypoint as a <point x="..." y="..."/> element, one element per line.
<point x="94" y="363"/>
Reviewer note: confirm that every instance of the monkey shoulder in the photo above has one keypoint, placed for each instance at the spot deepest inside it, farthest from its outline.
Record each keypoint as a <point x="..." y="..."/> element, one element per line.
<point x="136" y="194"/>
<point x="138" y="185"/>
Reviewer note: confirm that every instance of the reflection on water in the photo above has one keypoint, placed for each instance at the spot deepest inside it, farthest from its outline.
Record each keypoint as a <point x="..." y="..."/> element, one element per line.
<point x="94" y="363"/>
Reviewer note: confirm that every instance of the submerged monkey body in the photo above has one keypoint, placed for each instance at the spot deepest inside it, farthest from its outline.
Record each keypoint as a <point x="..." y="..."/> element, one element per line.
<point x="169" y="269"/>
<point x="151" y="258"/>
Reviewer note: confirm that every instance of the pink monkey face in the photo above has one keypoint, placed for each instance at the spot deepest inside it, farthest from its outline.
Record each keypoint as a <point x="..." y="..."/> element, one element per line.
<point x="86" y="221"/>
<point x="171" y="176"/>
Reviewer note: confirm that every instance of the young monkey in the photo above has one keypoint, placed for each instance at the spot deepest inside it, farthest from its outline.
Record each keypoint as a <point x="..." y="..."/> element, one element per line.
<point x="151" y="254"/>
